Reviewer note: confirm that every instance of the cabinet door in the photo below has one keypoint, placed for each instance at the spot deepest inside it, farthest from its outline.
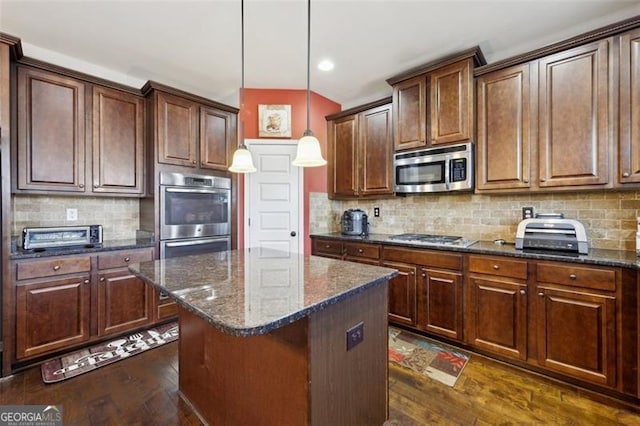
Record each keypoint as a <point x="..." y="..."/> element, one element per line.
<point x="125" y="302"/>
<point x="177" y="120"/>
<point x="343" y="167"/>
<point x="629" y="152"/>
<point x="576" y="334"/>
<point x="574" y="116"/>
<point x="216" y="134"/>
<point x="504" y="120"/>
<point x="497" y="316"/>
<point x="51" y="132"/>
<point x="376" y="152"/>
<point x="440" y="303"/>
<point x="118" y="142"/>
<point x="402" y="294"/>
<point x="52" y="315"/>
<point x="410" y="113"/>
<point x="451" y="108"/>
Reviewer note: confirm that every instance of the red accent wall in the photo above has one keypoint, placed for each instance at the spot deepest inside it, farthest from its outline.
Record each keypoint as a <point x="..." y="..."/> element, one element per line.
<point x="315" y="178"/>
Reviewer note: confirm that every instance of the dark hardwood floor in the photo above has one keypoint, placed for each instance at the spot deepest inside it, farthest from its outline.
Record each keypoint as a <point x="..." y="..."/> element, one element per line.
<point x="142" y="390"/>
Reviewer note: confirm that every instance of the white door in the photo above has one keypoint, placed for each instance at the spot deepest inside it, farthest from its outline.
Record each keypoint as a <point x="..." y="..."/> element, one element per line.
<point x="273" y="197"/>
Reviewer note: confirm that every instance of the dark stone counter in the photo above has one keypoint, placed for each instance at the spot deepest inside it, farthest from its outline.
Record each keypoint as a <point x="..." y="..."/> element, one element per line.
<point x="614" y="258"/>
<point x="111" y="245"/>
<point x="254" y="291"/>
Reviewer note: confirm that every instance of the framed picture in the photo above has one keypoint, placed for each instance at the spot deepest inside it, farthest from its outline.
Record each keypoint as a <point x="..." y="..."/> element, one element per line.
<point x="274" y="121"/>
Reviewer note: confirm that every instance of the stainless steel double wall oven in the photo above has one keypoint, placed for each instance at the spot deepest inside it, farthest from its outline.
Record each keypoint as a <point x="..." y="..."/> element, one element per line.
<point x="195" y="214"/>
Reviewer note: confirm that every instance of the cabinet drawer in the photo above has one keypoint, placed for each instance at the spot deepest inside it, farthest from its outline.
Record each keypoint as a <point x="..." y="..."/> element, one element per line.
<point x="121" y="259"/>
<point x="167" y="310"/>
<point x="327" y="247"/>
<point x="433" y="258"/>
<point x="368" y="251"/>
<point x="577" y="276"/>
<point x="52" y="267"/>
<point x="498" y="266"/>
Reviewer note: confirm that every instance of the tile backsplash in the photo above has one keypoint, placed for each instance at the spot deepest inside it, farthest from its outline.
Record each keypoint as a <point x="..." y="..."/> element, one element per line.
<point x="608" y="216"/>
<point x="119" y="217"/>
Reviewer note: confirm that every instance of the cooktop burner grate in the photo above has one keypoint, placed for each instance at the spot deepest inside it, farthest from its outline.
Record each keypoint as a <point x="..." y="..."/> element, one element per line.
<point x="433" y="239"/>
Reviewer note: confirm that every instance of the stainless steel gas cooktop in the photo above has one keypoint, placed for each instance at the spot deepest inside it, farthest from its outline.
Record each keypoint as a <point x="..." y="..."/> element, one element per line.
<point x="433" y="240"/>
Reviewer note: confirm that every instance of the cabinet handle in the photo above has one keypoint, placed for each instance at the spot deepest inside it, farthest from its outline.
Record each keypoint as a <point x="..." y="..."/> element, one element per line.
<point x="328" y="246"/>
<point x="81" y="185"/>
<point x="541" y="294"/>
<point x="101" y="279"/>
<point x="412" y="273"/>
<point x="360" y="251"/>
<point x="424" y="275"/>
<point x="542" y="179"/>
<point x="523" y="292"/>
<point x="573" y="276"/>
<point x="525" y="180"/>
<point x="56" y="268"/>
<point x="95" y="185"/>
<point x="86" y="281"/>
<point x="193" y="161"/>
<point x="625" y="174"/>
<point x="126" y="259"/>
<point x="496" y="267"/>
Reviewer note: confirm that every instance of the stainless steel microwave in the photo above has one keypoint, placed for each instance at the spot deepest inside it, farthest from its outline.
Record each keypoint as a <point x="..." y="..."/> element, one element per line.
<point x="441" y="169"/>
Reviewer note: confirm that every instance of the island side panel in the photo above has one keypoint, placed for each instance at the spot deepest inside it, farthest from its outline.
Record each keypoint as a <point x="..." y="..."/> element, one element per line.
<point x="245" y="380"/>
<point x="350" y="387"/>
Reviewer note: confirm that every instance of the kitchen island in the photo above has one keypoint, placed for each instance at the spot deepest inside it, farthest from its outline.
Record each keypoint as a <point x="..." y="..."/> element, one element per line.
<point x="271" y="337"/>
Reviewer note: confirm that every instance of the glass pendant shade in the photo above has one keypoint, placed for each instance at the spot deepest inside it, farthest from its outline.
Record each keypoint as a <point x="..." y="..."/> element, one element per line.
<point x="308" y="153"/>
<point x="242" y="161"/>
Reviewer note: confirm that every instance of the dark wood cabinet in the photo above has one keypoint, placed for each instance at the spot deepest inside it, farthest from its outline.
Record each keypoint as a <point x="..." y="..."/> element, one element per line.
<point x="360" y="160"/>
<point x="576" y="330"/>
<point x="573" y="105"/>
<point x="440" y="303"/>
<point x="629" y="150"/>
<point x="176" y="127"/>
<point x="496" y="312"/>
<point x="327" y="248"/>
<point x="402" y="294"/>
<point x="216" y="134"/>
<point x="125" y="302"/>
<point x="51" y="132"/>
<point x="57" y="152"/>
<point x="451" y="103"/>
<point x="504" y="111"/>
<point x="410" y="113"/>
<point x="118" y="142"/>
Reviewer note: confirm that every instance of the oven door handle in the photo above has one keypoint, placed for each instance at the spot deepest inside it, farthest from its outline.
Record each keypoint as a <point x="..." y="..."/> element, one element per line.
<point x="193" y="243"/>
<point x="201" y="191"/>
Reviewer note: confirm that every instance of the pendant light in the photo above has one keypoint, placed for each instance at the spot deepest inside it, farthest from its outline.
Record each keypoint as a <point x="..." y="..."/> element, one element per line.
<point x="308" y="153"/>
<point x="242" y="161"/>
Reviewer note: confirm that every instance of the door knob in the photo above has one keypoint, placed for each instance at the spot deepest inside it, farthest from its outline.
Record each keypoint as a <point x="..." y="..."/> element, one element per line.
<point x="293" y="233"/>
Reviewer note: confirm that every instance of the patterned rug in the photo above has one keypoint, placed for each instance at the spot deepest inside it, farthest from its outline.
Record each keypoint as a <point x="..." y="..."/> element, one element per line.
<point x="88" y="359"/>
<point x="433" y="359"/>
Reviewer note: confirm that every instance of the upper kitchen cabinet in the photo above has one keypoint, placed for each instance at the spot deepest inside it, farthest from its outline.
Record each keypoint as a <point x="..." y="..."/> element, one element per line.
<point x="629" y="151"/>
<point x="360" y="156"/>
<point x="51" y="132"/>
<point x="573" y="108"/>
<point x="77" y="137"/>
<point x="190" y="131"/>
<point x="118" y="142"/>
<point x="434" y="103"/>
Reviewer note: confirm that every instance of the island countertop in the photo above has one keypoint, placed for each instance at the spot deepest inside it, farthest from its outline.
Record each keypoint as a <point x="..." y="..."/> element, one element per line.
<point x="254" y="291"/>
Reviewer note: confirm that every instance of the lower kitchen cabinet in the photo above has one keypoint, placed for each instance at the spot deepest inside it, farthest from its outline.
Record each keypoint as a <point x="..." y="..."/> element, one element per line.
<point x="52" y="314"/>
<point x="125" y="302"/>
<point x="402" y="294"/>
<point x="496" y="319"/>
<point x="440" y="303"/>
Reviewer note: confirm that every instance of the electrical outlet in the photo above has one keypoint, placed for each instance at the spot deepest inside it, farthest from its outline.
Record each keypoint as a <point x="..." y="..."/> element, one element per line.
<point x="72" y="214"/>
<point x="527" y="213"/>
<point x="376" y="212"/>
<point x="355" y="335"/>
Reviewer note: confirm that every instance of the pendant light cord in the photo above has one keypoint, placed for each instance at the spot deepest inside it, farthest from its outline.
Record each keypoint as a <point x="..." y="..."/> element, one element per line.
<point x="241" y="126"/>
<point x="308" y="131"/>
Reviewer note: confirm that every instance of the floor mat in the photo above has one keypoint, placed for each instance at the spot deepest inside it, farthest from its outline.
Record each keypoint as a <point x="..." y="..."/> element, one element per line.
<point x="88" y="359"/>
<point x="433" y="359"/>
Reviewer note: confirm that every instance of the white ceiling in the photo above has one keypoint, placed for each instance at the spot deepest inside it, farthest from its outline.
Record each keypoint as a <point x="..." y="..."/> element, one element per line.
<point x="195" y="45"/>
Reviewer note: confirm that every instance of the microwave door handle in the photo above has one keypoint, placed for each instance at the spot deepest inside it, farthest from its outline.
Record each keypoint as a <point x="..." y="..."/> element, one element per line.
<point x="201" y="191"/>
<point x="193" y="243"/>
<point x="447" y="167"/>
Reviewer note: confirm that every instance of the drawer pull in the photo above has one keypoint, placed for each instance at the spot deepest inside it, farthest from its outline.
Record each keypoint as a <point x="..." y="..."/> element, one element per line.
<point x="496" y="267"/>
<point x="328" y="246"/>
<point x="541" y="294"/>
<point x="360" y="251"/>
<point x="523" y="292"/>
<point x="625" y="174"/>
<point x="412" y="273"/>
<point x="86" y="281"/>
<point x="424" y="275"/>
<point x="126" y="259"/>
<point x="56" y="268"/>
<point x="573" y="276"/>
<point x="101" y="279"/>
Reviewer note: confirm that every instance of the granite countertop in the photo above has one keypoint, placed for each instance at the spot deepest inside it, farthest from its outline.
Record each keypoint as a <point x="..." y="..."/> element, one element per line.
<point x="614" y="258"/>
<point x="254" y="291"/>
<point x="109" y="245"/>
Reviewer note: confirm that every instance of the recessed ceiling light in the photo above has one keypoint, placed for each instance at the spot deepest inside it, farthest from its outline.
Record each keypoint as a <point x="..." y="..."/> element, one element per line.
<point x="325" y="65"/>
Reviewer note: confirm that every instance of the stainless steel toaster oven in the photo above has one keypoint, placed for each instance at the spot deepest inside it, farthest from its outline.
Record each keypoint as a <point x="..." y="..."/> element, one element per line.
<point x="61" y="236"/>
